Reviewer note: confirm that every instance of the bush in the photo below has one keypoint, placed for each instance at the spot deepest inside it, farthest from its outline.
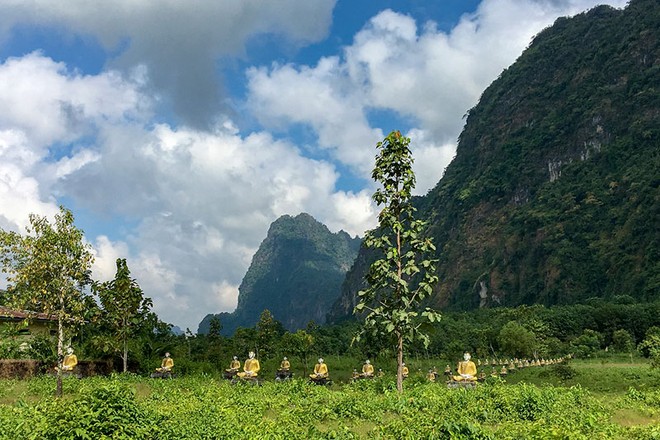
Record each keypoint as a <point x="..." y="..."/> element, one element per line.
<point x="587" y="344"/>
<point x="650" y="347"/>
<point x="563" y="371"/>
<point x="622" y="341"/>
<point x="106" y="410"/>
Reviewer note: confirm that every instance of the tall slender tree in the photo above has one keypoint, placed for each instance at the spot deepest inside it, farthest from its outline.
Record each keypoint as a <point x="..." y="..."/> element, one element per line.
<point x="47" y="271"/>
<point x="124" y="308"/>
<point x="404" y="276"/>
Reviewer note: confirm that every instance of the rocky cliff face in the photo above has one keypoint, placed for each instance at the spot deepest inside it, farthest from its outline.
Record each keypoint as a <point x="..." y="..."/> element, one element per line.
<point x="553" y="195"/>
<point x="296" y="274"/>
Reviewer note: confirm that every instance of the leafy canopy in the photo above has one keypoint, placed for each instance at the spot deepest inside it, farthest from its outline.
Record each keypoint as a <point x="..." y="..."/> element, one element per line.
<point x="404" y="276"/>
<point x="47" y="270"/>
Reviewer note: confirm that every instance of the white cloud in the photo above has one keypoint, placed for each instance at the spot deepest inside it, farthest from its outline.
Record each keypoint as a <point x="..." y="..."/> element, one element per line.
<point x="106" y="254"/>
<point x="50" y="104"/>
<point x="198" y="202"/>
<point x="179" y="42"/>
<point x="323" y="97"/>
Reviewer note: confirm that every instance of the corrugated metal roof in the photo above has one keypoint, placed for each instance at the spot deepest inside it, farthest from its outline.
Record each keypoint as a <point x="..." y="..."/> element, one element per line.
<point x="7" y="313"/>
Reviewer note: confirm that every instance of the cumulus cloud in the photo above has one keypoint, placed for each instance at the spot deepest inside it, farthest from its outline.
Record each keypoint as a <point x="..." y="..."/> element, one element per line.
<point x="421" y="73"/>
<point x="180" y="43"/>
<point x="46" y="109"/>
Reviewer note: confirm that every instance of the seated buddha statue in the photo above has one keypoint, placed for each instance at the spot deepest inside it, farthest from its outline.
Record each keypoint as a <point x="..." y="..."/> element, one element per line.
<point x="166" y="364"/>
<point x="467" y="370"/>
<point x="320" y="370"/>
<point x="70" y="360"/>
<point x="284" y="372"/>
<point x="234" y="366"/>
<point x="367" y="369"/>
<point x="250" y="367"/>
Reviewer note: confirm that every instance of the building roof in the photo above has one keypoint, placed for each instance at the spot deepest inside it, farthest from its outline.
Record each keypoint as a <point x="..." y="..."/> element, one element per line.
<point x="15" y="315"/>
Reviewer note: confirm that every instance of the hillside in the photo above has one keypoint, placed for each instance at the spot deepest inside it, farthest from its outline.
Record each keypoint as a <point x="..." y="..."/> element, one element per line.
<point x="296" y="274"/>
<point x="553" y="196"/>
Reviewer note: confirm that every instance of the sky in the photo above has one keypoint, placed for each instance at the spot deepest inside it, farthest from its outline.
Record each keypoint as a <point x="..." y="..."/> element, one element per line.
<point x="178" y="131"/>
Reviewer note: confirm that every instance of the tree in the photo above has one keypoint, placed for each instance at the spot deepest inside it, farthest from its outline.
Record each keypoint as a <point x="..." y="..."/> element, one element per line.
<point x="124" y="308"/>
<point x="622" y="341"/>
<point x="268" y="330"/>
<point x="650" y="346"/>
<point x="516" y="340"/>
<point x="587" y="343"/>
<point x="215" y="328"/>
<point x="47" y="272"/>
<point x="299" y="344"/>
<point x="400" y="280"/>
<point x="214" y="339"/>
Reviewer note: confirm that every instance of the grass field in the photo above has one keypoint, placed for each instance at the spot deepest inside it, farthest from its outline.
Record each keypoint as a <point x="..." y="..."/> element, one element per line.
<point x="606" y="398"/>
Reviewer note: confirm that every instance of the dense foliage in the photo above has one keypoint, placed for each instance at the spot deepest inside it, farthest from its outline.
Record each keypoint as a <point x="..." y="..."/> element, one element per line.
<point x="538" y="331"/>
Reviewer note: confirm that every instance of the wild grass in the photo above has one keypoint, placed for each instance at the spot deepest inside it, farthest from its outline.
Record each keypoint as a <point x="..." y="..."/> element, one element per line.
<point x="612" y="399"/>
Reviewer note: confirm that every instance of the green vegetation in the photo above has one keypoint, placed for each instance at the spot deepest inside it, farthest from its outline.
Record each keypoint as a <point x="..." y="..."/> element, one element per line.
<point x="128" y="406"/>
<point x="403" y="276"/>
<point x="48" y="269"/>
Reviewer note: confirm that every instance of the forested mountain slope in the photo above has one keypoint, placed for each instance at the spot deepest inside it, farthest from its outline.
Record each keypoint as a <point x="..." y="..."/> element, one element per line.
<point x="553" y="195"/>
<point x="296" y="274"/>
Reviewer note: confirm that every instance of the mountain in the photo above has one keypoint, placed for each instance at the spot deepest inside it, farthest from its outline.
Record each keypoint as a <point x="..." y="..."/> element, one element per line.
<point x="553" y="195"/>
<point x="296" y="274"/>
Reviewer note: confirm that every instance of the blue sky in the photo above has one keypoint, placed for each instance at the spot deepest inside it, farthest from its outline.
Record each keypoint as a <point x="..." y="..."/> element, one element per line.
<point x="178" y="131"/>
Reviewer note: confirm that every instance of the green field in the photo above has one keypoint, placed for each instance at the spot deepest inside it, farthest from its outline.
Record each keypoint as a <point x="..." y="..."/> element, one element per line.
<point x="588" y="399"/>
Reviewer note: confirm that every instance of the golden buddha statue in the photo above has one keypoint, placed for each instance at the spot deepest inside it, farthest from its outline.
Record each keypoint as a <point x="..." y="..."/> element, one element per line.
<point x="320" y="370"/>
<point x="404" y="370"/>
<point x="166" y="364"/>
<point x="467" y="370"/>
<point x="250" y="367"/>
<point x="70" y="360"/>
<point x="367" y="369"/>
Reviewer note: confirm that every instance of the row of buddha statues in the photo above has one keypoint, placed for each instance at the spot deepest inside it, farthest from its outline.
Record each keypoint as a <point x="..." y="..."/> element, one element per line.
<point x="466" y="370"/>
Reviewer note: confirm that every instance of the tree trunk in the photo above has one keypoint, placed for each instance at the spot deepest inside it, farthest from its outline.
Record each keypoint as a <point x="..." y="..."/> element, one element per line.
<point x="399" y="360"/>
<point x="125" y="356"/>
<point x="60" y="356"/>
<point x="399" y="334"/>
